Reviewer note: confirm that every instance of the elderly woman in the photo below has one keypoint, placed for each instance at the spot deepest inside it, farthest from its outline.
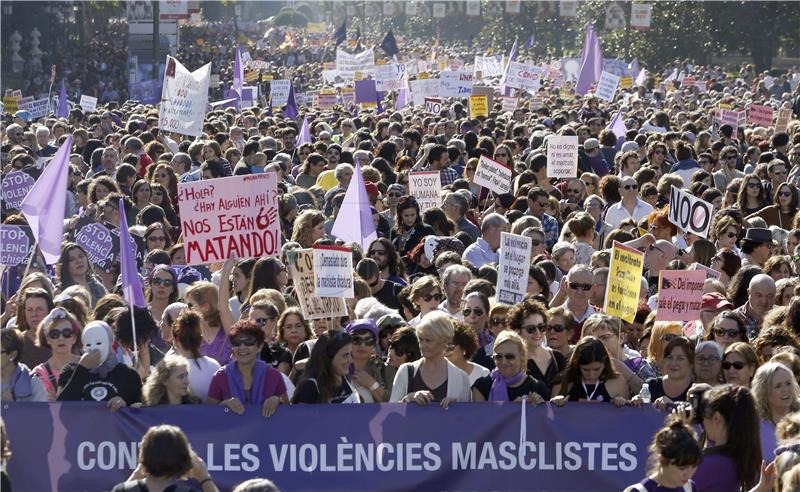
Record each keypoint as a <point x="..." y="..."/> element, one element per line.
<point x="247" y="380"/>
<point x="740" y="364"/>
<point x="609" y="330"/>
<point x="777" y="395"/>
<point x="432" y="378"/>
<point x="168" y="384"/>
<point x="509" y="380"/>
<point x="367" y="373"/>
<point x="708" y="363"/>
<point x="529" y="319"/>
<point x="61" y="332"/>
<point x="17" y="381"/>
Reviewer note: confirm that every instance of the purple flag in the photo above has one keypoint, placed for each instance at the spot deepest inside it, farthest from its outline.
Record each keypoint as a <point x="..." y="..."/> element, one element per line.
<point x="356" y="204"/>
<point x="511" y="57"/>
<point x="131" y="286"/>
<point x="617" y="127"/>
<point x="633" y="67"/>
<point x="402" y="99"/>
<point x="238" y="76"/>
<point x="591" y="62"/>
<point x="529" y="42"/>
<point x="290" y="111"/>
<point x="44" y="204"/>
<point x="305" y="134"/>
<point x="641" y="79"/>
<point x="63" y="105"/>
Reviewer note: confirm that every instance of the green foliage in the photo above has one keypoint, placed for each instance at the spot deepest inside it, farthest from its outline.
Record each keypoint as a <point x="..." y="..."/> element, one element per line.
<point x="290" y="17"/>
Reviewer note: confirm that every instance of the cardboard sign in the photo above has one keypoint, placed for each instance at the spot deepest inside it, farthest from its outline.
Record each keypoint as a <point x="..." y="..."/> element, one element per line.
<point x="760" y="115"/>
<point x="641" y="14"/>
<point x="326" y="99"/>
<point x="15" y="244"/>
<point x="624" y="282"/>
<point x="524" y="76"/>
<point x="455" y="84"/>
<point x="15" y="188"/>
<point x="607" y="86"/>
<point x="223" y="216"/>
<point x="626" y="82"/>
<point x="347" y="65"/>
<point x="279" y="92"/>
<point x="680" y="295"/>
<point x="301" y="265"/>
<point x="689" y="212"/>
<point x="493" y="175"/>
<point x="562" y="157"/>
<point x="510" y="104"/>
<point x="426" y="188"/>
<point x="424" y="88"/>
<point x="512" y="272"/>
<point x="88" y="103"/>
<point x="433" y="105"/>
<point x="782" y="123"/>
<point x="390" y="77"/>
<point x="478" y="106"/>
<point x="729" y="117"/>
<point x="97" y="240"/>
<point x="473" y="8"/>
<point x="333" y="272"/>
<point x="184" y="98"/>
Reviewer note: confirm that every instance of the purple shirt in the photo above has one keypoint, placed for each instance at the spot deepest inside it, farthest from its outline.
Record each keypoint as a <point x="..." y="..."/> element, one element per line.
<point x="219" y="349"/>
<point x="220" y="390"/>
<point x="717" y="473"/>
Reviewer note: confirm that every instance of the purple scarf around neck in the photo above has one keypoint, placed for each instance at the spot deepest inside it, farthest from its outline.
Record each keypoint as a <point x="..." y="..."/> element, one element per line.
<point x="499" y="391"/>
<point x="236" y="384"/>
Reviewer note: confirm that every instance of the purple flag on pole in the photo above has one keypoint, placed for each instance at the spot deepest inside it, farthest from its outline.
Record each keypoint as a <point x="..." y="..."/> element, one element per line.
<point x="305" y="134"/>
<point x="402" y="99"/>
<point x="641" y="79"/>
<point x="355" y="204"/>
<point x="290" y="111"/>
<point x="63" y="105"/>
<point x="44" y="204"/>
<point x="617" y="127"/>
<point x="591" y="62"/>
<point x="238" y="77"/>
<point x="131" y="286"/>
<point x="511" y="57"/>
<point x="529" y="42"/>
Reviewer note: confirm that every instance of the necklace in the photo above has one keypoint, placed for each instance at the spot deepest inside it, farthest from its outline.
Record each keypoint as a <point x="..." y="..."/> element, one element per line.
<point x="586" y="390"/>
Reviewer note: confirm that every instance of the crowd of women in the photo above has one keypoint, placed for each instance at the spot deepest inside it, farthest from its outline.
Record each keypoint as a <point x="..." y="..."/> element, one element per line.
<point x="425" y="326"/>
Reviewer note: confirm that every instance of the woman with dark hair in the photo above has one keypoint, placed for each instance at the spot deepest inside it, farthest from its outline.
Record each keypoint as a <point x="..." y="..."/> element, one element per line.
<point x="162" y="290"/>
<point x="293" y="329"/>
<point x="678" y="364"/>
<point x="247" y="380"/>
<point x="609" y="190"/>
<point x="461" y="351"/>
<point x="439" y="221"/>
<point x="325" y="376"/>
<point x="160" y="197"/>
<point x="740" y="283"/>
<point x="157" y="237"/>
<point x="186" y="340"/>
<point x="385" y="255"/>
<point x="727" y="328"/>
<point x="752" y="196"/>
<point x="61" y="332"/>
<point x="417" y="263"/>
<point x="409" y="229"/>
<point x="529" y="319"/>
<point x="73" y="268"/>
<point x="311" y="168"/>
<point x="141" y="194"/>
<point x="100" y="188"/>
<point x="382" y="165"/>
<point x="783" y="210"/>
<point x="18" y="382"/>
<point x="590" y="376"/>
<point x="33" y="306"/>
<point x="727" y="263"/>
<point x="239" y="279"/>
<point x="267" y="273"/>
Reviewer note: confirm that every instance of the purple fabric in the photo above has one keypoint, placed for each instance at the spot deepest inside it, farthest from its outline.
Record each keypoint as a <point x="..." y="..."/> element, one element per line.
<point x="290" y="111"/>
<point x="21" y="382"/>
<point x="236" y="384"/>
<point x="617" y="127"/>
<point x="717" y="473"/>
<point x="238" y="76"/>
<point x="355" y="204"/>
<point x="63" y="104"/>
<point x="591" y="62"/>
<point x="402" y="99"/>
<point x="219" y="349"/>
<point x="499" y="391"/>
<point x="305" y="133"/>
<point x="131" y="285"/>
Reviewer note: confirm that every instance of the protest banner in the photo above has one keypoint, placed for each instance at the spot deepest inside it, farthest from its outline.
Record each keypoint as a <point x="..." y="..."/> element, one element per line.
<point x="680" y="294"/>
<point x="226" y="216"/>
<point x="301" y="265"/>
<point x="333" y="272"/>
<point x="493" y="175"/>
<point x="478" y="106"/>
<point x="467" y="447"/>
<point x="38" y="107"/>
<point x="782" y="123"/>
<point x="184" y="98"/>
<point x="509" y="104"/>
<point x="729" y="117"/>
<point x="624" y="282"/>
<point x="690" y="213"/>
<point x="15" y="188"/>
<point x="390" y="77"/>
<point x="279" y="92"/>
<point x="607" y="86"/>
<point x="455" y="83"/>
<point x="512" y="272"/>
<point x="641" y="14"/>
<point x="326" y="98"/>
<point x="488" y="66"/>
<point x="524" y="76"/>
<point x="348" y="64"/>
<point x="433" y="105"/>
<point x="426" y="188"/>
<point x="423" y="88"/>
<point x="688" y="81"/>
<point x="760" y="115"/>
<point x="16" y="244"/>
<point x="562" y="157"/>
<point x="97" y="240"/>
<point x="710" y="272"/>
<point x="88" y="103"/>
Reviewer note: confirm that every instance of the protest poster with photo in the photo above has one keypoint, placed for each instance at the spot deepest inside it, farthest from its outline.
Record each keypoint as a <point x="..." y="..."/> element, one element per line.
<point x="512" y="272"/>
<point x="690" y="213"/>
<point x="624" y="282"/>
<point x="279" y="92"/>
<point x="680" y="294"/>
<point x="607" y="86"/>
<point x="426" y="188"/>
<point x="493" y="175"/>
<point x="478" y="106"/>
<point x="226" y="216"/>
<point x="760" y="115"/>
<point x="16" y="244"/>
<point x="15" y="188"/>
<point x="184" y="98"/>
<point x="455" y="83"/>
<point x="333" y="272"/>
<point x="301" y="266"/>
<point x="562" y="157"/>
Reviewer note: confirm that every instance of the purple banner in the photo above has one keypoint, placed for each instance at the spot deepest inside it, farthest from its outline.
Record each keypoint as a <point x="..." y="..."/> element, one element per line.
<point x="16" y="186"/>
<point x="97" y="241"/>
<point x="366" y="92"/>
<point x="15" y="244"/>
<point x="146" y="92"/>
<point x="582" y="446"/>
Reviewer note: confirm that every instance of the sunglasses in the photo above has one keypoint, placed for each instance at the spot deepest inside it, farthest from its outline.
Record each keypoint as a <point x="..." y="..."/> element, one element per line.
<point x="262" y="322"/>
<point x="557" y="328"/>
<point x="366" y="341"/>
<point x="784" y="193"/>
<point x="64" y="332"/>
<point x="730" y="158"/>
<point x="535" y="242"/>
<point x="166" y="282"/>
<point x="541" y="328"/>
<point x="631" y="187"/>
<point x="395" y="195"/>
<point x="507" y="357"/>
<point x="476" y="312"/>
<point x="729" y="332"/>
<point x="738" y="365"/>
<point x="246" y="341"/>
<point x="377" y="252"/>
<point x="583" y="287"/>
<point x="499" y="321"/>
<point x="154" y="239"/>
<point x="430" y="297"/>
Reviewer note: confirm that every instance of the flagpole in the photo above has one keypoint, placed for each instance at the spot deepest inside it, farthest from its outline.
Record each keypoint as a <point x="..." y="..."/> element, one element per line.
<point x="135" y="342"/>
<point x="30" y="260"/>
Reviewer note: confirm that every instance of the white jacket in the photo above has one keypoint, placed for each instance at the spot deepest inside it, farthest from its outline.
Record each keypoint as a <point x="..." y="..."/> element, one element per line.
<point x="458" y="387"/>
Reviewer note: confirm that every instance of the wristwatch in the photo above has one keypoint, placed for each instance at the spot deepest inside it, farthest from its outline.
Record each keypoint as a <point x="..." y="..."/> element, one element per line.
<point x="374" y="386"/>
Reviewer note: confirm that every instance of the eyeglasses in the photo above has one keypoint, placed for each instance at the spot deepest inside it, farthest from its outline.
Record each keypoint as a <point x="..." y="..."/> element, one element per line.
<point x="154" y="239"/>
<point x="366" y="341"/>
<point x="507" y="357"/>
<point x="738" y="365"/>
<point x="430" y="297"/>
<point x="262" y="322"/>
<point x="726" y="332"/>
<point x="394" y="195"/>
<point x="583" y="287"/>
<point x="784" y="193"/>
<point x="631" y="187"/>
<point x="377" y="252"/>
<point x="246" y="341"/>
<point x="556" y="328"/>
<point x="753" y="184"/>
<point x="166" y="282"/>
<point x="476" y="312"/>
<point x="64" y="332"/>
<point x="707" y="359"/>
<point x="541" y="328"/>
<point x="499" y="321"/>
<point x="535" y="242"/>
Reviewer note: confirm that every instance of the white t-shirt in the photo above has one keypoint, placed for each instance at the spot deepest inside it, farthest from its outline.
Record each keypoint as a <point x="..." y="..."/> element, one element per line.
<point x="477" y="372"/>
<point x="200" y="376"/>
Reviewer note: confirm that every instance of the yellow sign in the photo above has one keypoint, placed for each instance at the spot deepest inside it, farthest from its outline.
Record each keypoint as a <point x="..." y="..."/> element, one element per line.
<point x="725" y="106"/>
<point x="251" y="76"/>
<point x="358" y="76"/>
<point x="624" y="282"/>
<point x="626" y="82"/>
<point x="422" y="75"/>
<point x="10" y="104"/>
<point x="478" y="106"/>
<point x="315" y="27"/>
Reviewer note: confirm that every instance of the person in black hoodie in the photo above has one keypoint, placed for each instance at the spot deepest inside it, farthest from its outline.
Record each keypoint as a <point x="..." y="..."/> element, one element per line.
<point x="99" y="376"/>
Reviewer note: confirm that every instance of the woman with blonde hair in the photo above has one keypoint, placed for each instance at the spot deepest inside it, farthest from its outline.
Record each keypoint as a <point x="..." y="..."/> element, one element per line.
<point x="308" y="227"/>
<point x="662" y="333"/>
<point x="203" y="297"/>
<point x="168" y="384"/>
<point x="777" y="395"/>
<point x="509" y="380"/>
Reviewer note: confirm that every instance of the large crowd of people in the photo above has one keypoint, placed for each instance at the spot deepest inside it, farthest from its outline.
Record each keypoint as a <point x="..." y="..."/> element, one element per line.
<point x="425" y="326"/>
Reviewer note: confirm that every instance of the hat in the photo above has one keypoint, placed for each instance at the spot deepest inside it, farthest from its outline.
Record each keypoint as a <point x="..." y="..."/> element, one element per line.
<point x="391" y="320"/>
<point x="187" y="277"/>
<point x="628" y="146"/>
<point x="435" y="245"/>
<point x="591" y="144"/>
<point x="396" y="187"/>
<point x="715" y="300"/>
<point x="372" y="190"/>
<point x="24" y="115"/>
<point x="758" y="235"/>
<point x="362" y="325"/>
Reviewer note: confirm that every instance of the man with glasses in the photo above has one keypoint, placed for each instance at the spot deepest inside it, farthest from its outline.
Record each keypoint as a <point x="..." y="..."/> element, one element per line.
<point x="383" y="252"/>
<point x="777" y="171"/>
<point x="538" y="199"/>
<point x="578" y="284"/>
<point x="109" y="160"/>
<point x="728" y="157"/>
<point x="631" y="206"/>
<point x="14" y="134"/>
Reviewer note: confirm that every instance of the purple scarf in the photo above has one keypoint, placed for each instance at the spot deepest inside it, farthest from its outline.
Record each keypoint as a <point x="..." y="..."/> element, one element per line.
<point x="236" y="384"/>
<point x="499" y="391"/>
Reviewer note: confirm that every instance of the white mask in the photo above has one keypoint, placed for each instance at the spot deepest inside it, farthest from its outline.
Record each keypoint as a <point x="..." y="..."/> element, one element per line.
<point x="95" y="337"/>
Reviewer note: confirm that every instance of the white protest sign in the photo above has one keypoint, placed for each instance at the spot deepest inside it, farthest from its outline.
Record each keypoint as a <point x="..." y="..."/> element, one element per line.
<point x="710" y="272"/>
<point x="37" y="108"/>
<point x="488" y="66"/>
<point x="234" y="215"/>
<point x="424" y="88"/>
<point x="782" y="123"/>
<point x="455" y="83"/>
<point x="607" y="86"/>
<point x="492" y="175"/>
<point x="433" y="105"/>
<point x="426" y="188"/>
<point x="333" y="271"/>
<point x="88" y="103"/>
<point x="184" y="99"/>
<point x="390" y="77"/>
<point x="301" y="264"/>
<point x="348" y="65"/>
<point x="279" y="92"/>
<point x="329" y="76"/>
<point x="729" y="117"/>
<point x="562" y="157"/>
<point x="512" y="272"/>
<point x="249" y="96"/>
<point x="641" y="13"/>
<point x="689" y="212"/>
<point x="473" y="8"/>
<point x="510" y="104"/>
<point x="524" y="76"/>
<point x="439" y="10"/>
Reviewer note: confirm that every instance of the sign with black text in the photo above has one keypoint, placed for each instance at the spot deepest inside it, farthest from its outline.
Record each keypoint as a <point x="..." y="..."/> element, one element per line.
<point x="689" y="212"/>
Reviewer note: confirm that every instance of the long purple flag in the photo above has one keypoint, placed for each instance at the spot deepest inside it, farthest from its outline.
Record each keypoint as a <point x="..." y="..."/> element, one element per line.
<point x="44" y="204"/>
<point x="618" y="128"/>
<point x="591" y="62"/>
<point x="355" y="204"/>
<point x="290" y="111"/>
<point x="131" y="286"/>
<point x="238" y="77"/>
<point x="511" y="57"/>
<point x="63" y="104"/>
<point x="305" y="134"/>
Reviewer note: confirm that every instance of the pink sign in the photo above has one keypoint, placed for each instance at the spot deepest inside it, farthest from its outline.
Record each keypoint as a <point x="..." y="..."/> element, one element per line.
<point x="760" y="115"/>
<point x="680" y="294"/>
<point x="226" y="216"/>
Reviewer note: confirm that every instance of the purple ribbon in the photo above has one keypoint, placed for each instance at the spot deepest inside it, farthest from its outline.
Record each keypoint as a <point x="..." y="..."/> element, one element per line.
<point x="499" y="391"/>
